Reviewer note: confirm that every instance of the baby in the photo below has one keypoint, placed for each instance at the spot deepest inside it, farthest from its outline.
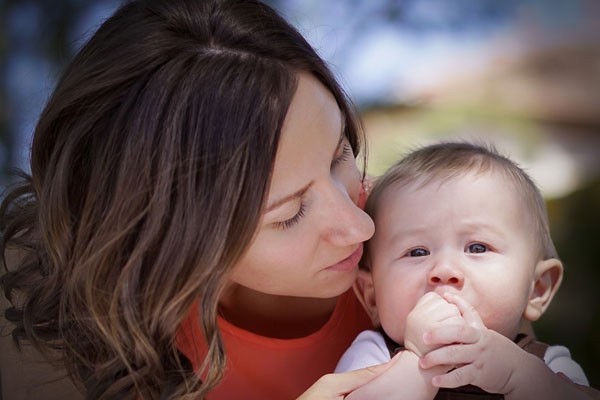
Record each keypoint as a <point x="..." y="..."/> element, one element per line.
<point x="460" y="263"/>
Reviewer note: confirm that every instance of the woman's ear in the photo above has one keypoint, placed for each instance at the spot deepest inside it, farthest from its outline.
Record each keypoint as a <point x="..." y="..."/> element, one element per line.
<point x="548" y="276"/>
<point x="365" y="292"/>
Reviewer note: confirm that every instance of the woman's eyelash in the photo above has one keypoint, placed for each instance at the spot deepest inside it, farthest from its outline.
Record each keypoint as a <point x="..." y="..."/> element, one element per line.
<point x="294" y="220"/>
<point x="346" y="153"/>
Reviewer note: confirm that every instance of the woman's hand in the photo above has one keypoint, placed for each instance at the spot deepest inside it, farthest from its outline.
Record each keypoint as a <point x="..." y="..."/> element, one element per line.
<point x="337" y="386"/>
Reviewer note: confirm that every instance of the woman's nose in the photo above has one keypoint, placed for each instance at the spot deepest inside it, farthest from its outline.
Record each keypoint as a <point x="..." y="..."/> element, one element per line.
<point x="346" y="223"/>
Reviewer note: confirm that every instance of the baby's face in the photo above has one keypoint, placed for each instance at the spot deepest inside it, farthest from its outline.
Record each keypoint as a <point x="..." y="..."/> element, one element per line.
<point x="469" y="235"/>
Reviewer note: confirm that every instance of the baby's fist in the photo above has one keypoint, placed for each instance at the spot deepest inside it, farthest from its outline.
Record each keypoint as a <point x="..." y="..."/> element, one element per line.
<point x="431" y="311"/>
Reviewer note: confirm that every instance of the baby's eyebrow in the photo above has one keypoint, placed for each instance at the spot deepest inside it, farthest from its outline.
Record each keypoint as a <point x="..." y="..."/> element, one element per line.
<point x="297" y="194"/>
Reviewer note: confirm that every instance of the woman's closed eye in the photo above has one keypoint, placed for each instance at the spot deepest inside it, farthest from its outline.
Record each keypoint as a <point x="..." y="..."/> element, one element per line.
<point x="345" y="155"/>
<point x="288" y="223"/>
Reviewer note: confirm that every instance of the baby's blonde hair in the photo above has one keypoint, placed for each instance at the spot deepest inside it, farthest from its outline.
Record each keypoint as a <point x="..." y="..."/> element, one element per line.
<point x="446" y="160"/>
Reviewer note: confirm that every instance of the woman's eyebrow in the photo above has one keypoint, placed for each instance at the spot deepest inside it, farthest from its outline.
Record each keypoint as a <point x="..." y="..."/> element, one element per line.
<point x="297" y="194"/>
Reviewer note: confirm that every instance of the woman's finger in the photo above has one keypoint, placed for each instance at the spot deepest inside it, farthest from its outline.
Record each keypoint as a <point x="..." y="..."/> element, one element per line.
<point x="337" y="386"/>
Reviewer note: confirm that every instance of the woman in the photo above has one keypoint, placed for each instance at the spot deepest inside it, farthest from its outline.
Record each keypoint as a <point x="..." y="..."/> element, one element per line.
<point x="190" y="225"/>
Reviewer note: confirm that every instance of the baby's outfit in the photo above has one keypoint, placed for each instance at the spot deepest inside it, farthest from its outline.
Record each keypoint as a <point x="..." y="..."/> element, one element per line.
<point x="375" y="347"/>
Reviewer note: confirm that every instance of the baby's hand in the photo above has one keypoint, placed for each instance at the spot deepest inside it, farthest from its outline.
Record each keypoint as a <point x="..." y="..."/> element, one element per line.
<point x="488" y="362"/>
<point x="430" y="313"/>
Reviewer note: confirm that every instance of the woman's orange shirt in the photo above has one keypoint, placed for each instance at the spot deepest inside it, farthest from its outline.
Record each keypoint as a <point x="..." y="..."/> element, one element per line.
<point x="262" y="368"/>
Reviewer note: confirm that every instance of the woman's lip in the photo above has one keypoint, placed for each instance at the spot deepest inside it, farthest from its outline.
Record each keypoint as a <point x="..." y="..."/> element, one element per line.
<point x="349" y="262"/>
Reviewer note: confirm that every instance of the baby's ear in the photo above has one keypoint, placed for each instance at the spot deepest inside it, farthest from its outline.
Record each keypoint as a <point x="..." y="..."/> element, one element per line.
<point x="548" y="276"/>
<point x="365" y="291"/>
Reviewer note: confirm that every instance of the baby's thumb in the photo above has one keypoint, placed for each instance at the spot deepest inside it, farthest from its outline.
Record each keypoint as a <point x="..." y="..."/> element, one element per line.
<point x="468" y="312"/>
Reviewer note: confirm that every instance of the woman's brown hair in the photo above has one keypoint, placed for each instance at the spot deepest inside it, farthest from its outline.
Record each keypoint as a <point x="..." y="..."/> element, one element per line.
<point x="149" y="168"/>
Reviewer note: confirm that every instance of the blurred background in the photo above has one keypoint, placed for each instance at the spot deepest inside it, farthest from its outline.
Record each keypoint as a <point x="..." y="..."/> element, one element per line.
<point x="521" y="74"/>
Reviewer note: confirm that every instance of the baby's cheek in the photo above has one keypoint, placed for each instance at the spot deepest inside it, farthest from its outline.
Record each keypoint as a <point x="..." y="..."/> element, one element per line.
<point x="504" y="320"/>
<point x="394" y="323"/>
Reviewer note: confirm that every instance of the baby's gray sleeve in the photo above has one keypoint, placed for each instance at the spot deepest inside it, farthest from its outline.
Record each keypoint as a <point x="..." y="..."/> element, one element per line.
<point x="558" y="359"/>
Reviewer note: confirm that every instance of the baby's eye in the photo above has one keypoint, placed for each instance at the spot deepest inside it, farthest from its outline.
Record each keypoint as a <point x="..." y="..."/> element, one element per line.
<point x="477" y="248"/>
<point x="418" y="252"/>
